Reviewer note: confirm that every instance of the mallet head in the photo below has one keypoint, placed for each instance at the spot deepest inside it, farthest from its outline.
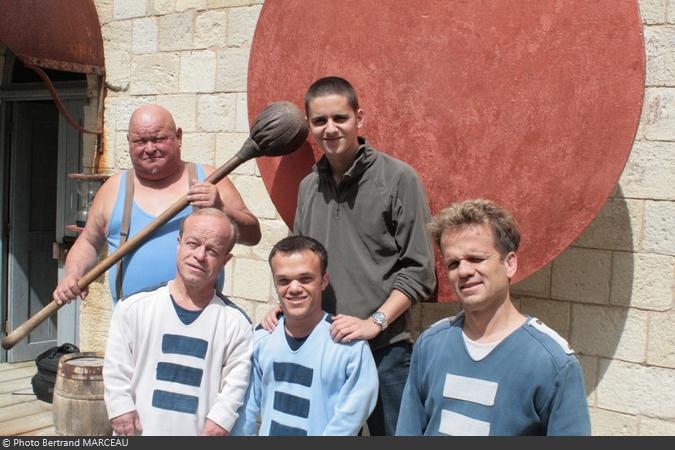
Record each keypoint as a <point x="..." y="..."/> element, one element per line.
<point x="278" y="130"/>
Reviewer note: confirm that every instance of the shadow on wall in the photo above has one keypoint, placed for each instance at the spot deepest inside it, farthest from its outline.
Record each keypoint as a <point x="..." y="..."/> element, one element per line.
<point x="584" y="294"/>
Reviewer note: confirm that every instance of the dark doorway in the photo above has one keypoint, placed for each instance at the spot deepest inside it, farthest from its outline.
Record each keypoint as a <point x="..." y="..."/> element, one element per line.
<point x="37" y="200"/>
<point x="32" y="273"/>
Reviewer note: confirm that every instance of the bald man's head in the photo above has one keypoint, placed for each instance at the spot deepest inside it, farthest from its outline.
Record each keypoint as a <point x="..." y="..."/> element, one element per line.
<point x="154" y="143"/>
<point x="145" y="113"/>
<point x="206" y="238"/>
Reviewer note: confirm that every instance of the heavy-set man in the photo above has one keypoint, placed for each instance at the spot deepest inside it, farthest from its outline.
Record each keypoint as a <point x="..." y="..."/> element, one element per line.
<point x="131" y="199"/>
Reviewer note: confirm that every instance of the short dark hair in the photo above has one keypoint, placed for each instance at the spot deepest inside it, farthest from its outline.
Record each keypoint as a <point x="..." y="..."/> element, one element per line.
<point x="332" y="86"/>
<point x="297" y="244"/>
<point x="479" y="212"/>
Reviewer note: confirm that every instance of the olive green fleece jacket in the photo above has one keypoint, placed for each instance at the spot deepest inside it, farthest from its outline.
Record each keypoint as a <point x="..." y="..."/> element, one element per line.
<point x="373" y="225"/>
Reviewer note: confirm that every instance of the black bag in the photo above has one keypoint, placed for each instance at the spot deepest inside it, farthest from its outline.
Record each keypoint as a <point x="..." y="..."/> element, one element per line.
<point x="47" y="364"/>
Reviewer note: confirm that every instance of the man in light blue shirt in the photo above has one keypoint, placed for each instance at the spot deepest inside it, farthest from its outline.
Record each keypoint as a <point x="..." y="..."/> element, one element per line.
<point x="302" y="382"/>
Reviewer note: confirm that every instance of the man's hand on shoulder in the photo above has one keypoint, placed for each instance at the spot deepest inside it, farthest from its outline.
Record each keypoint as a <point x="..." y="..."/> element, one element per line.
<point x="348" y="328"/>
<point x="213" y="429"/>
<point x="68" y="290"/>
<point x="128" y="424"/>
<point x="271" y="319"/>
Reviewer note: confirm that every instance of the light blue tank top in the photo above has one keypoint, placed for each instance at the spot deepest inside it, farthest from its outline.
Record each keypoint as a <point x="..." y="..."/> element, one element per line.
<point x="153" y="263"/>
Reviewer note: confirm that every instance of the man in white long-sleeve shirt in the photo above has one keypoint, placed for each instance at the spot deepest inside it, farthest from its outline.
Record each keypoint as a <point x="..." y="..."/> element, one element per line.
<point x="177" y="360"/>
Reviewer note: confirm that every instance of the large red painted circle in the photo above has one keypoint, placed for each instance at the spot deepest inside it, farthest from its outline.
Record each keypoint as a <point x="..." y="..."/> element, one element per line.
<point x="533" y="104"/>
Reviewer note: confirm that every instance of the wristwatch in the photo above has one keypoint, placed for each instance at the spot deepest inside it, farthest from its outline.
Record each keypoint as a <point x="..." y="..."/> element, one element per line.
<point x="381" y="319"/>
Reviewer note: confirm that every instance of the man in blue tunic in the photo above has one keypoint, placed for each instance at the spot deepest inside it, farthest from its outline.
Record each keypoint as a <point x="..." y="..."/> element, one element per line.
<point x="500" y="372"/>
<point x="131" y="199"/>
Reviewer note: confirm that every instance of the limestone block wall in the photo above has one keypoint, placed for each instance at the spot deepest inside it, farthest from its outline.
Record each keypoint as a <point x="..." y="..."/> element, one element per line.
<point x="610" y="294"/>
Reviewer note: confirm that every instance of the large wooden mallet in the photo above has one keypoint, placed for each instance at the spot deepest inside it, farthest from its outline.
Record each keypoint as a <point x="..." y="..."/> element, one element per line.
<point x="278" y="130"/>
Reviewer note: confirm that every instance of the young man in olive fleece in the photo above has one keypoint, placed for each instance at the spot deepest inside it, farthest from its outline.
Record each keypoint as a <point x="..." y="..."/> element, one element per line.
<point x="369" y="210"/>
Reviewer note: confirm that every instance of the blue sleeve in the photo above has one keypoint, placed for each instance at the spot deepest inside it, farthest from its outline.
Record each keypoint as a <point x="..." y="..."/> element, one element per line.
<point x="246" y="424"/>
<point x="357" y="397"/>
<point x="568" y="408"/>
<point x="412" y="417"/>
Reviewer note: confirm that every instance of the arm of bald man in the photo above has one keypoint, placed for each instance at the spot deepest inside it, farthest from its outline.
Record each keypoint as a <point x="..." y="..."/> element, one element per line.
<point x="83" y="255"/>
<point x="229" y="201"/>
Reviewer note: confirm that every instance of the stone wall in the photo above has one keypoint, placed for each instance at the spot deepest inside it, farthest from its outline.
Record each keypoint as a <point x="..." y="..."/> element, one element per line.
<point x="610" y="294"/>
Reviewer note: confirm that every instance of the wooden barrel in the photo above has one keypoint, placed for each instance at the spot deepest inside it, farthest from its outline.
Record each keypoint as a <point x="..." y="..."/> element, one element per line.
<point x="78" y="406"/>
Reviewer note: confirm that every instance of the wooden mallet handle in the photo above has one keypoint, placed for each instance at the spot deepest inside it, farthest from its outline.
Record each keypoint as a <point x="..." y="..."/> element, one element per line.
<point x="278" y="130"/>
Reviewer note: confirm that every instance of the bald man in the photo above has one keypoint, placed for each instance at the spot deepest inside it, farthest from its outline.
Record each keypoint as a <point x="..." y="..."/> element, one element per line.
<point x="178" y="358"/>
<point x="131" y="199"/>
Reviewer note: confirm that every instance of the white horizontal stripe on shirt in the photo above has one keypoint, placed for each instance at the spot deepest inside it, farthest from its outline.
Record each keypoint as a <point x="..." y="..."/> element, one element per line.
<point x="472" y="390"/>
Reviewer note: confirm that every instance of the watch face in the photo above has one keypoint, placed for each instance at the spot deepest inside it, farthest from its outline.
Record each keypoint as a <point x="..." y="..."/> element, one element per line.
<point x="378" y="316"/>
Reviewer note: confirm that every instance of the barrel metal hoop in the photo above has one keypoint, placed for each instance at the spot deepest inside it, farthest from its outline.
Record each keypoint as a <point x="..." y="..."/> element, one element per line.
<point x="75" y="372"/>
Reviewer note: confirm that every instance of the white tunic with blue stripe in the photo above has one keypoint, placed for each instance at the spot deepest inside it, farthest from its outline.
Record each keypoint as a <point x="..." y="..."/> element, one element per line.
<point x="322" y="388"/>
<point x="530" y="384"/>
<point x="176" y="375"/>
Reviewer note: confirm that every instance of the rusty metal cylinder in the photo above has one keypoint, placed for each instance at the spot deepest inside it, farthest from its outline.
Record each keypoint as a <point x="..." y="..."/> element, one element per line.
<point x="78" y="406"/>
